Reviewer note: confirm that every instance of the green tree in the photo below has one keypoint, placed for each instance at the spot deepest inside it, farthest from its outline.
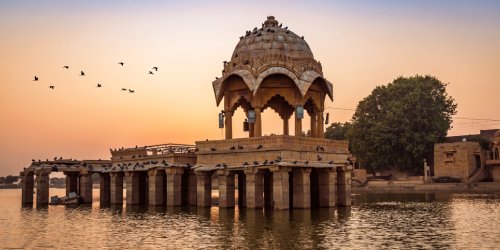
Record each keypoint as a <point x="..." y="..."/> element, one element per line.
<point x="398" y="124"/>
<point x="338" y="131"/>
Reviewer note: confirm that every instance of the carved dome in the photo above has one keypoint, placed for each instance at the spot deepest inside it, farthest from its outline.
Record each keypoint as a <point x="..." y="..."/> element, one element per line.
<point x="272" y="39"/>
<point x="272" y="49"/>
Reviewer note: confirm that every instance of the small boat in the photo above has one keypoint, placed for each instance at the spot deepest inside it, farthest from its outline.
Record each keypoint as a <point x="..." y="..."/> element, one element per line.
<point x="71" y="199"/>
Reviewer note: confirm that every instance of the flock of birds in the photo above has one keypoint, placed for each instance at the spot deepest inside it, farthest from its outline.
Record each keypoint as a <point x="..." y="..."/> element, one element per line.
<point x="99" y="85"/>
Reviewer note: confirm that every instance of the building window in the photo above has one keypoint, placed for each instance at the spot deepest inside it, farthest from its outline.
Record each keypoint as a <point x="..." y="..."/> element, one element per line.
<point x="496" y="154"/>
<point x="450" y="157"/>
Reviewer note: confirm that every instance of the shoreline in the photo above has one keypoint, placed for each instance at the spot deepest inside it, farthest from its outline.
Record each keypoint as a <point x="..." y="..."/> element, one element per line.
<point x="391" y="187"/>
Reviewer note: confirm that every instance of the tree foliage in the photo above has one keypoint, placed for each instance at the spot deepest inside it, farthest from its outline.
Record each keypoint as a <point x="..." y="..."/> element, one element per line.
<point x="338" y="131"/>
<point x="398" y="124"/>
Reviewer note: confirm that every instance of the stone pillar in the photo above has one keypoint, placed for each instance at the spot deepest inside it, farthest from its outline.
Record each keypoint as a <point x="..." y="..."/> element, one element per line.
<point x="133" y="187"/>
<point x="192" y="188"/>
<point x="242" y="193"/>
<point x="204" y="188"/>
<point x="298" y="125"/>
<point x="254" y="188"/>
<point x="71" y="182"/>
<point x="156" y="186"/>
<point x="344" y="186"/>
<point x="27" y="185"/>
<point x="251" y="130"/>
<point x="104" y="188"/>
<point x="327" y="182"/>
<point x="174" y="186"/>
<point x="86" y="187"/>
<point x="258" y="123"/>
<point x="116" y="190"/>
<point x="320" y="133"/>
<point x="226" y="188"/>
<point x="301" y="188"/>
<point x="42" y="187"/>
<point x="314" y="125"/>
<point x="229" y="124"/>
<point x="281" y="191"/>
<point x="286" y="129"/>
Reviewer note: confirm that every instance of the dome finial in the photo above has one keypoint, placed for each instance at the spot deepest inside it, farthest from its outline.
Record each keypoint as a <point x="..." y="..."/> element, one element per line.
<point x="271" y="22"/>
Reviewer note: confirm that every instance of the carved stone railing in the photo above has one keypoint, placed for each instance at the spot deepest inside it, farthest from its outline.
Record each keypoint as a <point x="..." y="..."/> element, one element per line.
<point x="266" y="151"/>
<point x="295" y="143"/>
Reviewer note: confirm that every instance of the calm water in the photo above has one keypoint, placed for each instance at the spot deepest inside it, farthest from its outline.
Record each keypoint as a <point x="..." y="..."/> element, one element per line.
<point x="463" y="221"/>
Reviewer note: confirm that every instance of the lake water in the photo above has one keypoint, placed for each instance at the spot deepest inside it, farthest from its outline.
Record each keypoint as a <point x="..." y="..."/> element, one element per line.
<point x="375" y="221"/>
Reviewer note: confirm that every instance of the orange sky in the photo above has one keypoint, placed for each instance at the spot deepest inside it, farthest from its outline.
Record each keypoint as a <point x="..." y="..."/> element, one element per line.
<point x="360" y="45"/>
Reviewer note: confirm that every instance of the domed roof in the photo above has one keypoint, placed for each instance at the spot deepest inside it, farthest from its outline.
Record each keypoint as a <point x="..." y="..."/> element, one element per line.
<point x="272" y="38"/>
<point x="272" y="49"/>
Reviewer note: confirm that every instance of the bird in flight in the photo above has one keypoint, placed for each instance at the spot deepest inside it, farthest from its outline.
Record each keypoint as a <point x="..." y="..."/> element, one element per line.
<point x="124" y="89"/>
<point x="36" y="78"/>
<point x="121" y="63"/>
<point x="51" y="87"/>
<point x="99" y="85"/>
<point x="66" y="67"/>
<point x="150" y="72"/>
<point x="131" y="91"/>
<point x="155" y="68"/>
<point x="82" y="73"/>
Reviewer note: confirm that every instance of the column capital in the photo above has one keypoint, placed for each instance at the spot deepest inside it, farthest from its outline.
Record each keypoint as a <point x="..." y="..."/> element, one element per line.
<point x="43" y="171"/>
<point x="302" y="170"/>
<point x="224" y="172"/>
<point x="252" y="171"/>
<point x="280" y="169"/>
<point x="345" y="168"/>
<point x="203" y="173"/>
<point x="174" y="170"/>
<point x="116" y="174"/>
<point x="156" y="171"/>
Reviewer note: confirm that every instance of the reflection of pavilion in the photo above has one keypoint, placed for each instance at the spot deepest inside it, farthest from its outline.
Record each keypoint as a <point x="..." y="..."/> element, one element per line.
<point x="271" y="67"/>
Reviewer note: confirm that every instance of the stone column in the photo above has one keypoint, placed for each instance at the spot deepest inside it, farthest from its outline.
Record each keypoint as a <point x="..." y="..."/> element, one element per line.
<point x="156" y="186"/>
<point x="320" y="133"/>
<point x="71" y="182"/>
<point x="254" y="188"/>
<point x="314" y="125"/>
<point x="229" y="124"/>
<point x="116" y="190"/>
<point x="42" y="186"/>
<point x="301" y="188"/>
<point x="226" y="188"/>
<point x="251" y="130"/>
<point x="258" y="123"/>
<point x="86" y="187"/>
<point x="286" y="130"/>
<point x="192" y="188"/>
<point x="344" y="185"/>
<point x="281" y="191"/>
<point x="27" y="185"/>
<point x="104" y="188"/>
<point x="204" y="188"/>
<point x="133" y="188"/>
<point x="298" y="125"/>
<point x="174" y="186"/>
<point x="327" y="182"/>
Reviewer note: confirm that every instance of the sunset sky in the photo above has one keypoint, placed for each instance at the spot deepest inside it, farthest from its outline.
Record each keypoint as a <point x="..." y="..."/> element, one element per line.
<point x="361" y="44"/>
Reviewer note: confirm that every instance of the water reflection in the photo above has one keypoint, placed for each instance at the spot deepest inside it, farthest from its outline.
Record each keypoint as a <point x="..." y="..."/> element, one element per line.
<point x="375" y="221"/>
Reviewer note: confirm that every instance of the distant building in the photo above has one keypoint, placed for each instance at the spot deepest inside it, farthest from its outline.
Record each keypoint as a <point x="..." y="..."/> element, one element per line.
<point x="493" y="160"/>
<point x="463" y="158"/>
<point x="457" y="159"/>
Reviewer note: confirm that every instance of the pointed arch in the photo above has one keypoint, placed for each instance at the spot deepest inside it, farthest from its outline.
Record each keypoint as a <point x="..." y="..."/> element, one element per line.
<point x="220" y="84"/>
<point x="279" y="70"/>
